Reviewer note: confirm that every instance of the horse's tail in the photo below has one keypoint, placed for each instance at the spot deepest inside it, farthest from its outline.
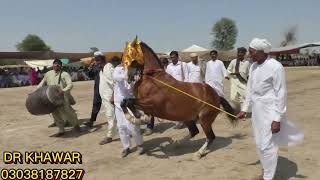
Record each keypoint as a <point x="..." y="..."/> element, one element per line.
<point x="227" y="107"/>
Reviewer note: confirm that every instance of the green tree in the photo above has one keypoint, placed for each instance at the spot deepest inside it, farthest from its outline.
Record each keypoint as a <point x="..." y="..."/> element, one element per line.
<point x="32" y="43"/>
<point x="225" y="34"/>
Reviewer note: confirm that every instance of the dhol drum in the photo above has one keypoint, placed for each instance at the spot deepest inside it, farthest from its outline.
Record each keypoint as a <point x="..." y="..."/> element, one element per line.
<point x="44" y="100"/>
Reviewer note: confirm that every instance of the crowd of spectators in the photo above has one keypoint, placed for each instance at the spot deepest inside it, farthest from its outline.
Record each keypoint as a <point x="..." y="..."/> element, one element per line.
<point x="25" y="76"/>
<point x="299" y="60"/>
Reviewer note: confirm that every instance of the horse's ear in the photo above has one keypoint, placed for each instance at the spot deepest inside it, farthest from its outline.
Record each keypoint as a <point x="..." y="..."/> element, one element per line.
<point x="135" y="41"/>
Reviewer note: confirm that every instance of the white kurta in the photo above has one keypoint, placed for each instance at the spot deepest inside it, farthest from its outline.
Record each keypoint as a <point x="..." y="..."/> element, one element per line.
<point x="106" y="90"/>
<point x="106" y="81"/>
<point x="238" y="87"/>
<point x="215" y="74"/>
<point x="193" y="73"/>
<point x="178" y="71"/>
<point x="267" y="94"/>
<point x="123" y="90"/>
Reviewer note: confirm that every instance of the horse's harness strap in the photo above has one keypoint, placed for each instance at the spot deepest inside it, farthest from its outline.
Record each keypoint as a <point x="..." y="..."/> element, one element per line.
<point x="151" y="71"/>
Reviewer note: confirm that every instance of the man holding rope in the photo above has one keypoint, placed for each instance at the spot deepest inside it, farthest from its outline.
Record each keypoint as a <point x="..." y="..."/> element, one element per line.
<point x="267" y="94"/>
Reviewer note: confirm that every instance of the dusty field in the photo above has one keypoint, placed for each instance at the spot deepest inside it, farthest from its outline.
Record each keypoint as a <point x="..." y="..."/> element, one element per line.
<point x="232" y="155"/>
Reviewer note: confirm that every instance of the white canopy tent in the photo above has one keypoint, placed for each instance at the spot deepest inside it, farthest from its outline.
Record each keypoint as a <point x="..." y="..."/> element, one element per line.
<point x="39" y="63"/>
<point x="195" y="48"/>
<point x="42" y="63"/>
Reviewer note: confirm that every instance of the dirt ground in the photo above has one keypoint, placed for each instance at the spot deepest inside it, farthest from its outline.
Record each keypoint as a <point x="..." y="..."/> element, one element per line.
<point x="232" y="156"/>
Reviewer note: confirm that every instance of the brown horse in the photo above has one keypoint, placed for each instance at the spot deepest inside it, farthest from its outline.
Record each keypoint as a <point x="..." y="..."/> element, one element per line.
<point x="156" y="99"/>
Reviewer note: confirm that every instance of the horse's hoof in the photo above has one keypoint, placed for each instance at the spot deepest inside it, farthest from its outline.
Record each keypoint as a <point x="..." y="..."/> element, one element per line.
<point x="158" y="119"/>
<point x="132" y="119"/>
<point x="197" y="156"/>
<point x="135" y="121"/>
<point x="145" y="119"/>
<point x="127" y="116"/>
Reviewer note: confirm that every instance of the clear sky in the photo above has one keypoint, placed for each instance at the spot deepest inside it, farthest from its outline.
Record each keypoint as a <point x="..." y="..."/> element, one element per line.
<point x="77" y="25"/>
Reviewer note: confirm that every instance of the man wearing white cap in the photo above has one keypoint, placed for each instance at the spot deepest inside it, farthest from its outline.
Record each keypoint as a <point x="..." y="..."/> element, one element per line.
<point x="106" y="92"/>
<point x="193" y="70"/>
<point x="267" y="95"/>
<point x="215" y="73"/>
<point x="94" y="73"/>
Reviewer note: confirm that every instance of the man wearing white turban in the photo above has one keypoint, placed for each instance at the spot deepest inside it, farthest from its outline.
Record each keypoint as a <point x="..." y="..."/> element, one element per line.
<point x="267" y="95"/>
<point x="193" y="70"/>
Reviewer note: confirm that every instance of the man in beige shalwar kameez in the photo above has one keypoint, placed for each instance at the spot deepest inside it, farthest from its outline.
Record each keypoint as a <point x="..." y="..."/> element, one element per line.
<point x="64" y="112"/>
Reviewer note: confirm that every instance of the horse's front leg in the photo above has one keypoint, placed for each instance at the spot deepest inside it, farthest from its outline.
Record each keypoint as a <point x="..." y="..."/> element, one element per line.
<point x="193" y="130"/>
<point x="131" y="113"/>
<point x="131" y="105"/>
<point x="125" y="110"/>
<point x="123" y="105"/>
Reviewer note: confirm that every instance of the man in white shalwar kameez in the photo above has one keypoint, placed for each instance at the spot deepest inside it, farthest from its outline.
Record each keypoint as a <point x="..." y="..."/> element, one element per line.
<point x="123" y="90"/>
<point x="215" y="73"/>
<point x="193" y="70"/>
<point x="267" y="95"/>
<point x="106" y="84"/>
<point x="238" y="71"/>
<point x="177" y="70"/>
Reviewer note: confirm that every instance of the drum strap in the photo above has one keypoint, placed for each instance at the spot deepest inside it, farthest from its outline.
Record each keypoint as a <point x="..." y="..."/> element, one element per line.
<point x="59" y="78"/>
<point x="241" y="79"/>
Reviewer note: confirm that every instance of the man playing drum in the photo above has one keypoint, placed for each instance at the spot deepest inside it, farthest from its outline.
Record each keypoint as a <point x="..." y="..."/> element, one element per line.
<point x="64" y="112"/>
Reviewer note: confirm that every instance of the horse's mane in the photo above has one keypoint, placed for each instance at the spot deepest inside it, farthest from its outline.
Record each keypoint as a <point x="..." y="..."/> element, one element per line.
<point x="153" y="53"/>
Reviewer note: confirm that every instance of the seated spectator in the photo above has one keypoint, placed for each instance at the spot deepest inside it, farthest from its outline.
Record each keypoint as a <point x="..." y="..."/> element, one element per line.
<point x="74" y="76"/>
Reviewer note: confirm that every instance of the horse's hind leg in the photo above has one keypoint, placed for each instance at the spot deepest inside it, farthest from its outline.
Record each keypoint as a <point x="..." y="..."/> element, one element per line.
<point x="193" y="129"/>
<point x="206" y="122"/>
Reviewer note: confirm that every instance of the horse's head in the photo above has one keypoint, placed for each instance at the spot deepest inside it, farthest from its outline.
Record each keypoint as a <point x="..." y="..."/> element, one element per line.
<point x="134" y="72"/>
<point x="133" y="60"/>
<point x="138" y="58"/>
